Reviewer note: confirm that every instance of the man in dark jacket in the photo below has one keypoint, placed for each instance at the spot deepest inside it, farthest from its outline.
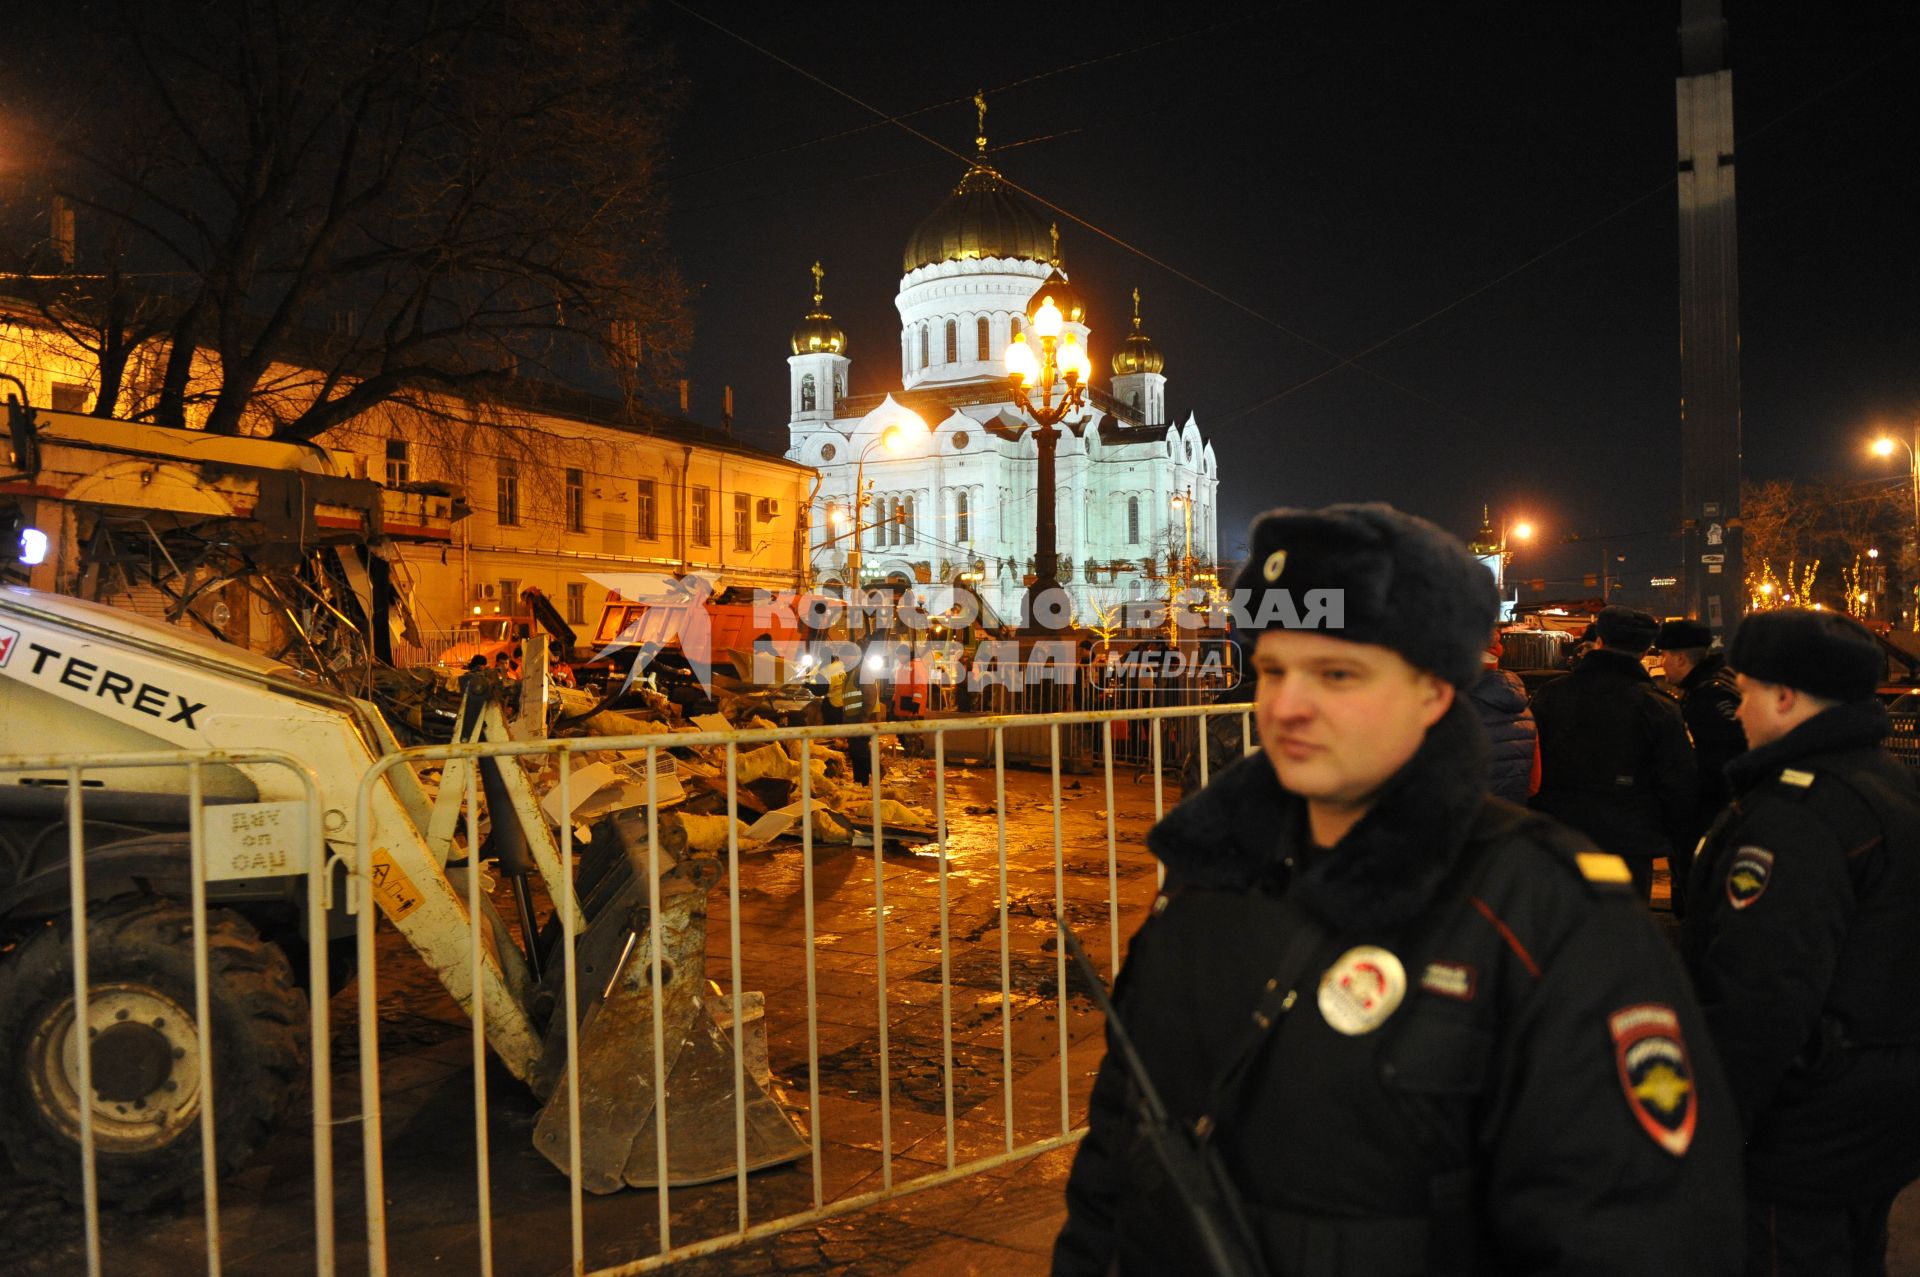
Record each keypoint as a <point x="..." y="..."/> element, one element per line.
<point x="1425" y="1033"/>
<point x="1614" y="758"/>
<point x="1802" y="942"/>
<point x="1710" y="705"/>
<point x="1499" y="699"/>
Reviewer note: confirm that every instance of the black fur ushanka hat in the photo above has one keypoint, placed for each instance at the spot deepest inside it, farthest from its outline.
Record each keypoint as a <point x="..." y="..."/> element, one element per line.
<point x="1824" y="653"/>
<point x="1404" y="584"/>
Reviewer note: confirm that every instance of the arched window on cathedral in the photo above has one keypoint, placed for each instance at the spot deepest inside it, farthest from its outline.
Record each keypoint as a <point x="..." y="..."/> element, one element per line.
<point x="923" y="346"/>
<point x="807" y="394"/>
<point x="953" y="342"/>
<point x="1134" y="400"/>
<point x="983" y="339"/>
<point x="839" y="383"/>
<point x="879" y="522"/>
<point x="1133" y="520"/>
<point x="962" y="518"/>
<point x="906" y="522"/>
<point x="893" y="523"/>
<point x="1019" y="325"/>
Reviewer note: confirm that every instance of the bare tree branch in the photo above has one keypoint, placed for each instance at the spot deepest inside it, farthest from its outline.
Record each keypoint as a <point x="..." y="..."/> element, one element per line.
<point x="402" y="197"/>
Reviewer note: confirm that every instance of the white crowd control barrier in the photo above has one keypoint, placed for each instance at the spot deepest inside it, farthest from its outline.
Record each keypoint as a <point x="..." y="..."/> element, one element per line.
<point x="862" y="1049"/>
<point x="117" y="1113"/>
<point x="650" y="1050"/>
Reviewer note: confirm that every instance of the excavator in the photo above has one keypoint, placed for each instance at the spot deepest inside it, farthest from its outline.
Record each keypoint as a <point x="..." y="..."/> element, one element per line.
<point x="78" y="677"/>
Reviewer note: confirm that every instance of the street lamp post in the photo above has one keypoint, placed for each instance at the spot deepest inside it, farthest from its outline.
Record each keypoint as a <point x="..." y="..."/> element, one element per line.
<point x="1183" y="501"/>
<point x="1062" y="358"/>
<point x="892" y="438"/>
<point x="1883" y="447"/>
<point x="1521" y="531"/>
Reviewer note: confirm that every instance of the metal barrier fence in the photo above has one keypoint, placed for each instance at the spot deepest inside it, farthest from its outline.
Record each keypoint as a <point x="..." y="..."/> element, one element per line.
<point x="1904" y="741"/>
<point x="888" y="992"/>
<point x="743" y="965"/>
<point x="1132" y="676"/>
<point x="135" y="1014"/>
<point x="428" y="649"/>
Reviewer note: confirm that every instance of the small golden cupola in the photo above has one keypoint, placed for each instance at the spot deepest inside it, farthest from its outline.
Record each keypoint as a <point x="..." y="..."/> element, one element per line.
<point x="1139" y="381"/>
<point x="1137" y="353"/>
<point x="1055" y="288"/>
<point x="817" y="334"/>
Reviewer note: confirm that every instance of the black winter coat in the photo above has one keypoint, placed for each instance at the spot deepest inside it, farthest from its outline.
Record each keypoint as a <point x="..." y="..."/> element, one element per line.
<point x="1500" y="700"/>
<point x="1709" y="701"/>
<point x="1615" y="762"/>
<point x="1803" y="937"/>
<point x="1542" y="1100"/>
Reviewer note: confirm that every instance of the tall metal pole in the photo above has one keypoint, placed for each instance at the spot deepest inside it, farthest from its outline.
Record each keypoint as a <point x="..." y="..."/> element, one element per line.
<point x="859" y="498"/>
<point x="1046" y="533"/>
<point x="1913" y="588"/>
<point x="1186" y="507"/>
<point x="1709" y="323"/>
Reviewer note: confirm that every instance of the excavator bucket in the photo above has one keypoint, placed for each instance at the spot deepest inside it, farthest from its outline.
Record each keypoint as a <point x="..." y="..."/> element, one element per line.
<point x="620" y="1109"/>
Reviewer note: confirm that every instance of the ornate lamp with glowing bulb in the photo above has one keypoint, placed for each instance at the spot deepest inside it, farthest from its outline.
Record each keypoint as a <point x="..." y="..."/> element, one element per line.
<point x="1061" y="360"/>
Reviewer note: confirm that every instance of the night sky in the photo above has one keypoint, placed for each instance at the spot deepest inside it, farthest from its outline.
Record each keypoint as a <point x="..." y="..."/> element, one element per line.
<point x="1486" y="189"/>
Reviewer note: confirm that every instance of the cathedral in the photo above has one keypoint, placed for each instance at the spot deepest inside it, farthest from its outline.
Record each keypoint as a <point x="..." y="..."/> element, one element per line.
<point x="946" y="465"/>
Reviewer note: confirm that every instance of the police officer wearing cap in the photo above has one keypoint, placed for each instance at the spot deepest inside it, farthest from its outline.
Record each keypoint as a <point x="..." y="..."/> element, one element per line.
<point x="1710" y="704"/>
<point x="1803" y="937"/>
<point x="1614" y="758"/>
<point x="1426" y="1031"/>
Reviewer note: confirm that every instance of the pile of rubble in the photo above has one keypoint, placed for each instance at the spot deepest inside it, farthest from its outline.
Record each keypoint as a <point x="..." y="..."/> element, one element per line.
<point x="692" y="780"/>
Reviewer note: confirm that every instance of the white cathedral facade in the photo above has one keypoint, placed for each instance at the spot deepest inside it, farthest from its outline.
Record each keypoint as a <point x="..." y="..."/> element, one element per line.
<point x="949" y="462"/>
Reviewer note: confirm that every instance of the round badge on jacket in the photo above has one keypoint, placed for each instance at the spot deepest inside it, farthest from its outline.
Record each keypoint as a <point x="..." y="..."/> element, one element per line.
<point x="1361" y="989"/>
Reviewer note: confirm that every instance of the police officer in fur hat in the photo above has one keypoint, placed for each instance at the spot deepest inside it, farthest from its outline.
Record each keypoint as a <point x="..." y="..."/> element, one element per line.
<point x="1803" y="942"/>
<point x="1614" y="758"/>
<point x="1710" y="704"/>
<point x="1426" y="1032"/>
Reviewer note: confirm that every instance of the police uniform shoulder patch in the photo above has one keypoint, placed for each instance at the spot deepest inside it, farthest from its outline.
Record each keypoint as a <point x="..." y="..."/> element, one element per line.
<point x="1795" y="777"/>
<point x="1748" y="876"/>
<point x="1655" y="1074"/>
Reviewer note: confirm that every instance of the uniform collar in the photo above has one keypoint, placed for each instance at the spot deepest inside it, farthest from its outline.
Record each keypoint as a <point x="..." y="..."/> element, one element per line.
<point x="1710" y="665"/>
<point x="1603" y="660"/>
<point x="1855" y="725"/>
<point x="1241" y="831"/>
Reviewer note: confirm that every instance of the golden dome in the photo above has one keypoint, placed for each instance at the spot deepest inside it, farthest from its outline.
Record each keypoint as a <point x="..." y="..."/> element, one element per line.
<point x="817" y="334"/>
<point x="1066" y="298"/>
<point x="982" y="218"/>
<point x="1137" y="353"/>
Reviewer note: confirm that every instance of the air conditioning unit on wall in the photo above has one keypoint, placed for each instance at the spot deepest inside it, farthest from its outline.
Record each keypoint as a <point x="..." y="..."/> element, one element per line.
<point x="769" y="509"/>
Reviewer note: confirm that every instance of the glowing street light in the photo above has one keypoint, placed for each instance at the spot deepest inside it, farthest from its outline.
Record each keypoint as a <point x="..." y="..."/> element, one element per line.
<point x="1183" y="502"/>
<point x="1061" y="358"/>
<point x="1883" y="447"/>
<point x="893" y="439"/>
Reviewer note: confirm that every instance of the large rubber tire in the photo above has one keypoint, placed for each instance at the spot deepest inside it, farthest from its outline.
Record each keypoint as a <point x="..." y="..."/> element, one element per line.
<point x="149" y="1079"/>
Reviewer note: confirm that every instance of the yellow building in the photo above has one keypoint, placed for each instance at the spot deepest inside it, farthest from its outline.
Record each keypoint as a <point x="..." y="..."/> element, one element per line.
<point x="565" y="495"/>
<point x="565" y="492"/>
